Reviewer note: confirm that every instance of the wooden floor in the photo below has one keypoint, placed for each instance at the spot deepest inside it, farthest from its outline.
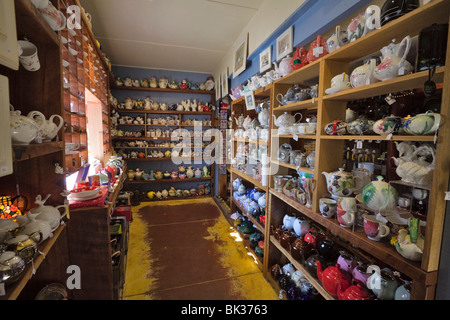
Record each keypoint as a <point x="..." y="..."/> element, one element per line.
<point x="186" y="250"/>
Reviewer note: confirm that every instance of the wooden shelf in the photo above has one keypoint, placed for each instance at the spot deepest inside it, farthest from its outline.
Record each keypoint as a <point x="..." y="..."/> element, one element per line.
<point x="13" y="291"/>
<point x="299" y="136"/>
<point x="163" y="112"/>
<point x="298" y="266"/>
<point x="169" y="180"/>
<point x="307" y="73"/>
<point x="409" y="24"/>
<point x="246" y="140"/>
<point x="247" y="178"/>
<point x="164" y="90"/>
<point x="31" y="151"/>
<point x="292" y="166"/>
<point x="382" y="138"/>
<point x="380" y="250"/>
<point x="298" y="106"/>
<point x="410" y="81"/>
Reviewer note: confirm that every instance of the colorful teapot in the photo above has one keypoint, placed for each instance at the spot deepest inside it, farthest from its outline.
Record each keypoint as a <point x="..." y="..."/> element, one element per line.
<point x="299" y="59"/>
<point x="333" y="278"/>
<point x="340" y="183"/>
<point x="423" y="124"/>
<point x="356" y="291"/>
<point x="394" y="63"/>
<point x="317" y="49"/>
<point x="284" y="68"/>
<point x="380" y="195"/>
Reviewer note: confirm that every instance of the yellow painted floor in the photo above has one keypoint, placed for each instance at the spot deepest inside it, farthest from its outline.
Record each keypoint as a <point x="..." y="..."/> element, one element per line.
<point x="141" y="278"/>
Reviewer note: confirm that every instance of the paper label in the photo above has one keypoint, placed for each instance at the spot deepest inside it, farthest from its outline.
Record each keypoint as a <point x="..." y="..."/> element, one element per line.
<point x="295" y="137"/>
<point x="389" y="136"/>
<point x="359" y="144"/>
<point x="447" y="196"/>
<point x="317" y="51"/>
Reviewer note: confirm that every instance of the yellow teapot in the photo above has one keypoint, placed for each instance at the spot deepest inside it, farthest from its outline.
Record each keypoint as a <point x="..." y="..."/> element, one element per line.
<point x="151" y="195"/>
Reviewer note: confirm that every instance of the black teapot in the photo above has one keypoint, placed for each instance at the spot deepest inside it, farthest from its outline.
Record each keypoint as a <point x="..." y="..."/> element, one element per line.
<point x="393" y="9"/>
<point x="328" y="250"/>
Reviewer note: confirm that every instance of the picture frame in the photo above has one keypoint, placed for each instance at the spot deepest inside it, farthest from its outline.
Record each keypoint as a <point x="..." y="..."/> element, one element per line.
<point x="224" y="83"/>
<point x="250" y="103"/>
<point x="218" y="86"/>
<point x="265" y="59"/>
<point x="284" y="44"/>
<point x="240" y="56"/>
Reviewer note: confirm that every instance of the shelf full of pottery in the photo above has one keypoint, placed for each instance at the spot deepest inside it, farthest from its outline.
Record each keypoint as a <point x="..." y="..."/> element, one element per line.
<point x="34" y="129"/>
<point x="147" y="104"/>
<point x="249" y="218"/>
<point x="307" y="261"/>
<point x="164" y="84"/>
<point x="162" y="150"/>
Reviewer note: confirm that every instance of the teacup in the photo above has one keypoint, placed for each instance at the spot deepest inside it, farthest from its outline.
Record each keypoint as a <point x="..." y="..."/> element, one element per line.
<point x="375" y="230"/>
<point x="71" y="147"/>
<point x="345" y="217"/>
<point x="327" y="207"/>
<point x="29" y="58"/>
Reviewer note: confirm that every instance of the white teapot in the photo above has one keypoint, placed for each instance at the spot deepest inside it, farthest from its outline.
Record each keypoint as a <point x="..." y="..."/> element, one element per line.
<point x="393" y="63"/>
<point x="285" y="66"/>
<point x="23" y="129"/>
<point x="284" y="121"/>
<point x="264" y="115"/>
<point x="47" y="213"/>
<point x="49" y="127"/>
<point x="364" y="74"/>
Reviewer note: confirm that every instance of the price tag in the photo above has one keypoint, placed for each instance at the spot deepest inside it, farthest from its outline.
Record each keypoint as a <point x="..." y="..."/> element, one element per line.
<point x="359" y="144"/>
<point x="401" y="71"/>
<point x="447" y="196"/>
<point x="389" y="136"/>
<point x="295" y="137"/>
<point x="317" y="51"/>
<point x="390" y="100"/>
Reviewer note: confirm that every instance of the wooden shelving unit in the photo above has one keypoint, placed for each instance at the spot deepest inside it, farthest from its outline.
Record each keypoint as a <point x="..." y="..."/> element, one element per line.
<point x="329" y="150"/>
<point x="151" y="163"/>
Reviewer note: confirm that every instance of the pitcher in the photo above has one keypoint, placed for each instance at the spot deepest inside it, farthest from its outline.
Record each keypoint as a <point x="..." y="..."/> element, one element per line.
<point x="394" y="63"/>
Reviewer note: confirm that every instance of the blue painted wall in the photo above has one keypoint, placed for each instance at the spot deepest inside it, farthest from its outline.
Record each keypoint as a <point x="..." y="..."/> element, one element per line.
<point x="312" y="18"/>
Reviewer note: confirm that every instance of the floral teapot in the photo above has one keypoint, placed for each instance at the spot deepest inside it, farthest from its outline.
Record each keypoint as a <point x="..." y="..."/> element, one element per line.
<point x="285" y="67"/>
<point x="364" y="74"/>
<point x="264" y="115"/>
<point x="423" y="124"/>
<point x="340" y="183"/>
<point x="23" y="129"/>
<point x="49" y="127"/>
<point x="393" y="63"/>
<point x="284" y="121"/>
<point x="240" y="121"/>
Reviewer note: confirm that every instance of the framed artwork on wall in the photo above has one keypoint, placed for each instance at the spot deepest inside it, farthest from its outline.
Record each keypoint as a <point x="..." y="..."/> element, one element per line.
<point x="284" y="43"/>
<point x="240" y="57"/>
<point x="218" y="86"/>
<point x="265" y="59"/>
<point x="250" y="103"/>
<point x="224" y="82"/>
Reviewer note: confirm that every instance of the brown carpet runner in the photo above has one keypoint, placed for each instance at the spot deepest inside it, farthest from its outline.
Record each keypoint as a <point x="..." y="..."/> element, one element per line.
<point x="185" y="251"/>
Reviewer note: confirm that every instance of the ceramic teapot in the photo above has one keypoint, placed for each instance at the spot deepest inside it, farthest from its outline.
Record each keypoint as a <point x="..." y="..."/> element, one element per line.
<point x="415" y="170"/>
<point x="364" y="74"/>
<point x="380" y="195"/>
<point x="163" y="82"/>
<point x="48" y="213"/>
<point x="337" y="39"/>
<point x="317" y="49"/>
<point x="394" y="61"/>
<point x="49" y="127"/>
<point x="190" y="172"/>
<point x="356" y="291"/>
<point x="340" y="183"/>
<point x="264" y="115"/>
<point x="382" y="282"/>
<point x="284" y="121"/>
<point x="388" y="125"/>
<point x="299" y="58"/>
<point x="333" y="278"/>
<point x="284" y="68"/>
<point x="423" y="124"/>
<point x="23" y="129"/>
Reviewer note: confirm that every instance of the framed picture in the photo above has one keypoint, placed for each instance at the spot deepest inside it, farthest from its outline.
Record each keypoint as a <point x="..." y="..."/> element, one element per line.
<point x="218" y="86"/>
<point x="240" y="57"/>
<point x="265" y="59"/>
<point x="284" y="44"/>
<point x="249" y="100"/>
<point x="224" y="81"/>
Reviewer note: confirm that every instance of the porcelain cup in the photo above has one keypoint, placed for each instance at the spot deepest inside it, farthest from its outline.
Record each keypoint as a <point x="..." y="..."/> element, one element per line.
<point x="29" y="58"/>
<point x="54" y="17"/>
<point x="328" y="207"/>
<point x="375" y="229"/>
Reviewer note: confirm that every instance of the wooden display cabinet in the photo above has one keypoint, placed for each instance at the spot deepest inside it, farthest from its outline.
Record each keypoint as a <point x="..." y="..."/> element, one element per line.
<point x="329" y="149"/>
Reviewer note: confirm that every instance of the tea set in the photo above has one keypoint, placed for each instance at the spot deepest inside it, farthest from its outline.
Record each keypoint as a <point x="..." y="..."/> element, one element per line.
<point x="33" y="128"/>
<point x="180" y="174"/>
<point x="203" y="189"/>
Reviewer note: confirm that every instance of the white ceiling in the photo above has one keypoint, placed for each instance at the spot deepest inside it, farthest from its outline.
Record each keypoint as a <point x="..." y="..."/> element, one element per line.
<point x="182" y="35"/>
